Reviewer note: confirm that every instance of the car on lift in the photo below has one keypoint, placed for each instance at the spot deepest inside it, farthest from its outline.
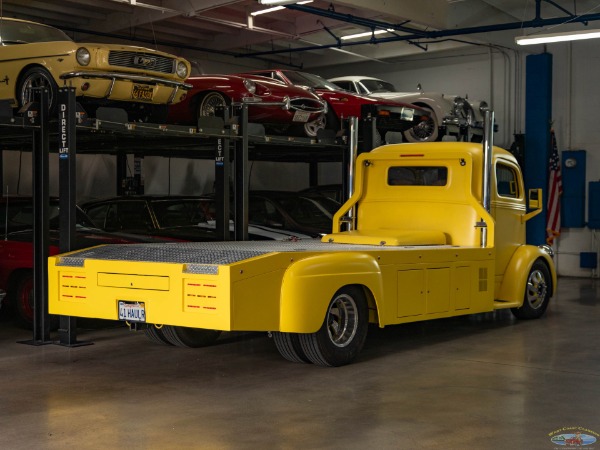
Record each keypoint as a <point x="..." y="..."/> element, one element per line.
<point x="139" y="80"/>
<point x="307" y="213"/>
<point x="293" y="107"/>
<point x="449" y="114"/>
<point x="188" y="218"/>
<point x="391" y="115"/>
<point x="16" y="249"/>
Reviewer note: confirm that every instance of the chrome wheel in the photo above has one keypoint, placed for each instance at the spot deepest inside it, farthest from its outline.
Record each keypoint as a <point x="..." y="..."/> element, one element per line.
<point x="210" y="102"/>
<point x="342" y="320"/>
<point x="537" y="292"/>
<point x="311" y="128"/>
<point x="343" y="332"/>
<point x="425" y="131"/>
<point x="537" y="289"/>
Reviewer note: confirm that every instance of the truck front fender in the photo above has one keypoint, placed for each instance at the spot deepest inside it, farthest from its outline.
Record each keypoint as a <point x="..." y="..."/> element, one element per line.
<point x="512" y="288"/>
<point x="309" y="285"/>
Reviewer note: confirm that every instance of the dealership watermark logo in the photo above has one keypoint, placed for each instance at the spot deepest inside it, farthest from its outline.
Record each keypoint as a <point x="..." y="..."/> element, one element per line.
<point x="574" y="437"/>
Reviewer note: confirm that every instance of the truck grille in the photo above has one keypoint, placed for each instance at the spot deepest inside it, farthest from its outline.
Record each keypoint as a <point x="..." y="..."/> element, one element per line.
<point x="143" y="61"/>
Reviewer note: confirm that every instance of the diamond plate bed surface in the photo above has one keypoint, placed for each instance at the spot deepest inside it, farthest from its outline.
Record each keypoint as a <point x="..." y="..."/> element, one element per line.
<point x="205" y="253"/>
<point x="191" y="252"/>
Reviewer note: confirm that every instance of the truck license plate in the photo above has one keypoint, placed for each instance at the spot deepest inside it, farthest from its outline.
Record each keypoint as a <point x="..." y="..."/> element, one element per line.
<point x="132" y="311"/>
<point x="142" y="92"/>
<point x="301" y="116"/>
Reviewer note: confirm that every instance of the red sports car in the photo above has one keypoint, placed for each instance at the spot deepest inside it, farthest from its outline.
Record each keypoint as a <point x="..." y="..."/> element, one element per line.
<point x="391" y="115"/>
<point x="212" y="91"/>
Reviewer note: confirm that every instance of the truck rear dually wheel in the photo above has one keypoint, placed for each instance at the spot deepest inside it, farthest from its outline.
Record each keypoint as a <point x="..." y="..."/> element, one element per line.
<point x="343" y="332"/>
<point x="288" y="345"/>
<point x="189" y="337"/>
<point x="156" y="335"/>
<point x="537" y="293"/>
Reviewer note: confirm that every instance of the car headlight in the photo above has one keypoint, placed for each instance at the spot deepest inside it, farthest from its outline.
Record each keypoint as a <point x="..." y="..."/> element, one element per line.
<point x="181" y="70"/>
<point x="250" y="86"/>
<point x="547" y="249"/>
<point x="83" y="56"/>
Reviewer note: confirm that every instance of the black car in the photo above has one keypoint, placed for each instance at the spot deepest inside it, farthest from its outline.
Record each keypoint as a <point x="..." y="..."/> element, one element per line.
<point x="189" y="218"/>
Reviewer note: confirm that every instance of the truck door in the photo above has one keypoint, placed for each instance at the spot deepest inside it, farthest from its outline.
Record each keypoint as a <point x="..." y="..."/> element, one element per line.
<point x="508" y="205"/>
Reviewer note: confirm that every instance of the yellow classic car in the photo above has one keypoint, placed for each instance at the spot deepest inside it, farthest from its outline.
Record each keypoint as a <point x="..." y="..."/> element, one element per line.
<point x="140" y="80"/>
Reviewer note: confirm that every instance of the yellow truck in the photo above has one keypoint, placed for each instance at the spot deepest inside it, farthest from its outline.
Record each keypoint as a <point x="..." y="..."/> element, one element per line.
<point x="432" y="230"/>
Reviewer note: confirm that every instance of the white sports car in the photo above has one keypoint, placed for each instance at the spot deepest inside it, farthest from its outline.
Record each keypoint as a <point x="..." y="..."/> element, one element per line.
<point x="450" y="114"/>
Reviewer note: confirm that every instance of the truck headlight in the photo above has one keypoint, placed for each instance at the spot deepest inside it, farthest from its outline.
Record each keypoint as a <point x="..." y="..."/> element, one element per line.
<point x="181" y="70"/>
<point x="83" y="56"/>
<point x="548" y="249"/>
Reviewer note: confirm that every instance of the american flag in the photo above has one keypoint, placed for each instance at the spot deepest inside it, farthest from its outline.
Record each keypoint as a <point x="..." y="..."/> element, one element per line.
<point x="554" y="193"/>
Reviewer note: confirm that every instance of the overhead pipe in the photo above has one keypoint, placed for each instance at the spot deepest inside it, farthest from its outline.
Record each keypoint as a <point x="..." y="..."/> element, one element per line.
<point x="414" y="34"/>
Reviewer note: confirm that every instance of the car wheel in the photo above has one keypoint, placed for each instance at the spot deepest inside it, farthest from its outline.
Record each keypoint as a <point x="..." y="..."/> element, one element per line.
<point x="343" y="332"/>
<point x="209" y="102"/>
<point x="23" y="303"/>
<point x="36" y="77"/>
<point x="288" y="345"/>
<point x="537" y="293"/>
<point x="189" y="337"/>
<point x="328" y="121"/>
<point x="156" y="335"/>
<point x="425" y="131"/>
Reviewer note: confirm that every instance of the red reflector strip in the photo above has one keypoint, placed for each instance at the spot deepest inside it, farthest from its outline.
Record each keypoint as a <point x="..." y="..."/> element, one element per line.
<point x="383" y="112"/>
<point x="210" y="285"/>
<point x="411" y="155"/>
<point x="193" y="306"/>
<point x="209" y="307"/>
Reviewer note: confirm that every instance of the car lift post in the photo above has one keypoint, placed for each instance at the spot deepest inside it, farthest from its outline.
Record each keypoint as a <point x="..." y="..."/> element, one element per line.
<point x="222" y="176"/>
<point x="241" y="179"/>
<point x="67" y="171"/>
<point x="41" y="139"/>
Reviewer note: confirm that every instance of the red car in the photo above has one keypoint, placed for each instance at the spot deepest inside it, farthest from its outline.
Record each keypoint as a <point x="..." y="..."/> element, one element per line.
<point x="211" y="91"/>
<point x="391" y="115"/>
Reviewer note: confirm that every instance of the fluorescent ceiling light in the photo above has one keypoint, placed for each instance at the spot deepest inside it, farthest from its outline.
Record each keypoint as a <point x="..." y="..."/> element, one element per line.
<point x="365" y="34"/>
<point x="277" y="2"/>
<point x="276" y="8"/>
<point x="557" y="37"/>
<point x="146" y="5"/>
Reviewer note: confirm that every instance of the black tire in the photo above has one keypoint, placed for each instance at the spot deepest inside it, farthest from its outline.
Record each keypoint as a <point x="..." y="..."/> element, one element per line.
<point x="426" y="131"/>
<point x="288" y="345"/>
<point x="208" y="102"/>
<point x="344" y="330"/>
<point x="22" y="301"/>
<point x="32" y="78"/>
<point x="189" y="337"/>
<point x="537" y="292"/>
<point x="156" y="335"/>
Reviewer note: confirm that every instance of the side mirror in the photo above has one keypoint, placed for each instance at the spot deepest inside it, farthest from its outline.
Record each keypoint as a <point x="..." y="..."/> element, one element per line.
<point x="535" y="198"/>
<point x="535" y="204"/>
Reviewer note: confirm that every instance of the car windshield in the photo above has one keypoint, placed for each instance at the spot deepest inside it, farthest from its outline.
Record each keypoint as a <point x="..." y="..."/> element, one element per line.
<point x="310" y="80"/>
<point x="306" y="211"/>
<point x="179" y="212"/>
<point x="378" y="86"/>
<point x="19" y="216"/>
<point x="16" y="32"/>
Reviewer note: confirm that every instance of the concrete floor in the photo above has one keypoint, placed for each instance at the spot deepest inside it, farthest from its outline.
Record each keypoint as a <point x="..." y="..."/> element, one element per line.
<point x="479" y="382"/>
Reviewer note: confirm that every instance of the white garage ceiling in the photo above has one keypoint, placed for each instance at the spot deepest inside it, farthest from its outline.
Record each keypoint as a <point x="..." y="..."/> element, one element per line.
<point x="227" y="28"/>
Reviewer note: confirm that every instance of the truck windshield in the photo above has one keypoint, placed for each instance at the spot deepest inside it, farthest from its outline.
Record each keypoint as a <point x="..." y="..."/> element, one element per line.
<point x="417" y="176"/>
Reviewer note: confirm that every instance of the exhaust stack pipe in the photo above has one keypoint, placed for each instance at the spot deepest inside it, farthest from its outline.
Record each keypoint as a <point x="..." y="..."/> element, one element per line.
<point x="488" y="144"/>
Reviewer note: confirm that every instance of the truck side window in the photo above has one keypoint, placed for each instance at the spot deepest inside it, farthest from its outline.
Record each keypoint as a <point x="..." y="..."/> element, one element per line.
<point x="417" y="176"/>
<point x="506" y="181"/>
